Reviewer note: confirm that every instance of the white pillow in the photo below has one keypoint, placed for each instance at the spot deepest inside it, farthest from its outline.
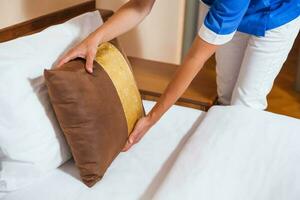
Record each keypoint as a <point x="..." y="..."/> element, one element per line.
<point x="31" y="142"/>
<point x="238" y="153"/>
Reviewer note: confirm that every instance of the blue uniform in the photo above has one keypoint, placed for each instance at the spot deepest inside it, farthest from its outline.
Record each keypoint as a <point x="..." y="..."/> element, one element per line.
<point x="254" y="17"/>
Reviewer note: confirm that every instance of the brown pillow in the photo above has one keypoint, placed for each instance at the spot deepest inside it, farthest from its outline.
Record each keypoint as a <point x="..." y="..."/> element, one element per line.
<point x="96" y="111"/>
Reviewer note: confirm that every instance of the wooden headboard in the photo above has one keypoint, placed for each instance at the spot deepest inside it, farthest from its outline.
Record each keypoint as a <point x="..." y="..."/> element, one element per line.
<point x="42" y="22"/>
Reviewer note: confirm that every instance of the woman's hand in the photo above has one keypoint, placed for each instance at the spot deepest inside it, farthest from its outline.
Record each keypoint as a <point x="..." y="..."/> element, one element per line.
<point x="192" y="64"/>
<point x="140" y="129"/>
<point x="127" y="17"/>
<point x="86" y="49"/>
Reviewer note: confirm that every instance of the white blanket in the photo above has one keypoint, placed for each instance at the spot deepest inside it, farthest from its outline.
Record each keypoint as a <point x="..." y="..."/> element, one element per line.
<point x="133" y="175"/>
<point x="230" y="153"/>
<point x="238" y="154"/>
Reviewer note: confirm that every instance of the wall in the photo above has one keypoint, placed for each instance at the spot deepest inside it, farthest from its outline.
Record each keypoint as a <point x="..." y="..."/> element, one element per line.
<point x="190" y="24"/>
<point x="159" y="37"/>
<point x="16" y="11"/>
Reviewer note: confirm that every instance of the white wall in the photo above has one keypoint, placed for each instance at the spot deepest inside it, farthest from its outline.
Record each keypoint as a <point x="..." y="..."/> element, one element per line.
<point x="16" y="11"/>
<point x="160" y="36"/>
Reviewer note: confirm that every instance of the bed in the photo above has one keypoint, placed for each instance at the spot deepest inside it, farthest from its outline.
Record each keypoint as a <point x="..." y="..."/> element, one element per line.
<point x="226" y="153"/>
<point x="133" y="175"/>
<point x="185" y="157"/>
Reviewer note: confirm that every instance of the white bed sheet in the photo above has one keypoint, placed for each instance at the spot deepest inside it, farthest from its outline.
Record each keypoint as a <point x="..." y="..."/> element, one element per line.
<point x="237" y="153"/>
<point x="135" y="174"/>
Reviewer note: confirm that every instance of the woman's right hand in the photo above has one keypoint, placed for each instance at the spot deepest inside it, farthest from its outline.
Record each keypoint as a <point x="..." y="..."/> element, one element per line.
<point x="86" y="49"/>
<point x="127" y="17"/>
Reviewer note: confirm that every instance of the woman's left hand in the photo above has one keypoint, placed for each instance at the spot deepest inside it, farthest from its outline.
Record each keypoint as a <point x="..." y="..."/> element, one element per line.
<point x="140" y="129"/>
<point x="199" y="53"/>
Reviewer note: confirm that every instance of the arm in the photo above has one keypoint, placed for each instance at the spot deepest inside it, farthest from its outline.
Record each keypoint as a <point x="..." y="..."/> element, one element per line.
<point x="127" y="17"/>
<point x="199" y="53"/>
<point x="219" y="26"/>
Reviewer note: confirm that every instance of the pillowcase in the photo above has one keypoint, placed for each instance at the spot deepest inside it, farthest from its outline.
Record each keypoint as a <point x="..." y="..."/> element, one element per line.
<point x="96" y="111"/>
<point x="31" y="141"/>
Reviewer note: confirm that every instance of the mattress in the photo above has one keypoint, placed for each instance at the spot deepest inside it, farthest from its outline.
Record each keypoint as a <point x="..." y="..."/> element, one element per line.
<point x="135" y="174"/>
<point x="237" y="153"/>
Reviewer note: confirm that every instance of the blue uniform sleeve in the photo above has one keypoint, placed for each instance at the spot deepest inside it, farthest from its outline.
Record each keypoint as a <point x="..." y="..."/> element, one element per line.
<point x="222" y="20"/>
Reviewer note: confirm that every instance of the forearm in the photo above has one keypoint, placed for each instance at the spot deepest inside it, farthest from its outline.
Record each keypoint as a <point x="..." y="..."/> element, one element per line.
<point x="127" y="17"/>
<point x="193" y="63"/>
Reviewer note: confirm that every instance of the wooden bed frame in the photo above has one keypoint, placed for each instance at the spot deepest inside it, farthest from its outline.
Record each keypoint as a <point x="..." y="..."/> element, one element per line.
<point x="152" y="77"/>
<point x="42" y="22"/>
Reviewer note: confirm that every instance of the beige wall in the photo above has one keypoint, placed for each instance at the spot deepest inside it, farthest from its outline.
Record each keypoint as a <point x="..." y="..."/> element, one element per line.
<point x="16" y="11"/>
<point x="160" y="36"/>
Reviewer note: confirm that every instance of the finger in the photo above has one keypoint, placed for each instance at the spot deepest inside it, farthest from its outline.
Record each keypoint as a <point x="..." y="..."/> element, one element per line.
<point x="131" y="140"/>
<point x="89" y="62"/>
<point x="69" y="56"/>
<point x="127" y="146"/>
<point x="61" y="63"/>
<point x="138" y="138"/>
<point x="133" y="136"/>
